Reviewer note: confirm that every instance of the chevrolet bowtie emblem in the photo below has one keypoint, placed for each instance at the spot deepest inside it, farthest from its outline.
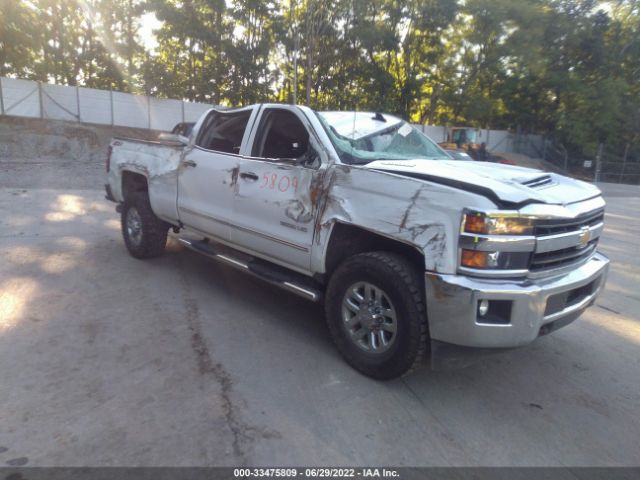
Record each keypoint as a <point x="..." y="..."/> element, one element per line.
<point x="585" y="236"/>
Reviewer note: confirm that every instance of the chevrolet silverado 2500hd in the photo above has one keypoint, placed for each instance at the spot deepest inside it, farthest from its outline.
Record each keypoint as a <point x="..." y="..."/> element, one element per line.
<point x="411" y="251"/>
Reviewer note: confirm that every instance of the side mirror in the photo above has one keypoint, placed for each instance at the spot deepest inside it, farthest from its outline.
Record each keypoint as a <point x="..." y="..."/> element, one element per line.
<point x="311" y="158"/>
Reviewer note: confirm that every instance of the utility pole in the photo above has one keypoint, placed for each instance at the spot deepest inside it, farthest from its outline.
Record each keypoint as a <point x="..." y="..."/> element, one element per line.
<point x="78" y="101"/>
<point x="40" y="101"/>
<point x="111" y="103"/>
<point x="294" y="29"/>
<point x="1" y="99"/>
<point x="598" y="162"/>
<point x="296" y="47"/>
<point x="624" y="163"/>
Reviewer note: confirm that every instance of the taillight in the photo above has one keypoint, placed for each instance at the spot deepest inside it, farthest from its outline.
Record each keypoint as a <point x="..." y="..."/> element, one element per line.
<point x="109" y="150"/>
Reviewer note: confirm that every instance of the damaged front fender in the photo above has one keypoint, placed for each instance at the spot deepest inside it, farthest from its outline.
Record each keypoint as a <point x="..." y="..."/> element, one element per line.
<point x="418" y="213"/>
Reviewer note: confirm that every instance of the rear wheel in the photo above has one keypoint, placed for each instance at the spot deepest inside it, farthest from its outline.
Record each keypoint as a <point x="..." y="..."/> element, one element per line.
<point x="376" y="314"/>
<point x="145" y="235"/>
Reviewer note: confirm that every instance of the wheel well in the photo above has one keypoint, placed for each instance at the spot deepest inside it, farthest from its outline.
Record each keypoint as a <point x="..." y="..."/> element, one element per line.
<point x="133" y="182"/>
<point x="347" y="240"/>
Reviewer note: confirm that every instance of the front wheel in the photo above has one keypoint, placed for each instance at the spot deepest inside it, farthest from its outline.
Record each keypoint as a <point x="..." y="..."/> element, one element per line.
<point x="145" y="235"/>
<point x="376" y="314"/>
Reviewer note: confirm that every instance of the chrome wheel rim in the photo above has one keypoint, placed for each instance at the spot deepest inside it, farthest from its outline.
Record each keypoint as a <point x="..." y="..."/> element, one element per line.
<point x="369" y="317"/>
<point x="134" y="226"/>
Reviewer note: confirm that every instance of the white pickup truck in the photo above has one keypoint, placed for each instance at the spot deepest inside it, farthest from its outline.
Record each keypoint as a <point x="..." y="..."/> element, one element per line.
<point x="412" y="252"/>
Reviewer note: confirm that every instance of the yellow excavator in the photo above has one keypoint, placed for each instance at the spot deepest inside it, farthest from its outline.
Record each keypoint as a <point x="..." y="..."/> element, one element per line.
<point x="462" y="138"/>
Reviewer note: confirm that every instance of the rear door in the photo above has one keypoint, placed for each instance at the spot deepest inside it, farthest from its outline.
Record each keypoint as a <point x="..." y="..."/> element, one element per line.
<point x="209" y="171"/>
<point x="274" y="206"/>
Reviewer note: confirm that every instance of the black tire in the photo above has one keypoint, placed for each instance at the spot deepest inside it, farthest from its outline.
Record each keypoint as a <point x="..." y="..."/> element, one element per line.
<point x="153" y="231"/>
<point x="403" y="286"/>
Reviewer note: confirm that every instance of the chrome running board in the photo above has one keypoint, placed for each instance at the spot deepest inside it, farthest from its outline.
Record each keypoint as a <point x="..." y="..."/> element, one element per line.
<point x="299" y="284"/>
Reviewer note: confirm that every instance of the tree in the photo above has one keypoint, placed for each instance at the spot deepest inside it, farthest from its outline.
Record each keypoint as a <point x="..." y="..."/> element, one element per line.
<point x="566" y="68"/>
<point x="17" y="31"/>
<point x="193" y="53"/>
<point x="250" y="52"/>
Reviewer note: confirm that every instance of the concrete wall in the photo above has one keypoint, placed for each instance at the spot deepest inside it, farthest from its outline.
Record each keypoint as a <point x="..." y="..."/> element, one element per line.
<point x="435" y="133"/>
<point x="25" y="98"/>
<point x="19" y="97"/>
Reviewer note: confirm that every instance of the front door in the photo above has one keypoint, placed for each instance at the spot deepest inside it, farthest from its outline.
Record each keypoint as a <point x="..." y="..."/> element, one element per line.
<point x="274" y="207"/>
<point x="209" y="171"/>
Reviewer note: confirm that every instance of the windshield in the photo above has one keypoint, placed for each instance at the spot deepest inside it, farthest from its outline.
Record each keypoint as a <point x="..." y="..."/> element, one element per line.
<point x="362" y="137"/>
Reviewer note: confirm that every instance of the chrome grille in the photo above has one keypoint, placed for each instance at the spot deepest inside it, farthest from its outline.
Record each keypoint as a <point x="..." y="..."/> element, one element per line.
<point x="558" y="258"/>
<point x="549" y="229"/>
<point x="555" y="226"/>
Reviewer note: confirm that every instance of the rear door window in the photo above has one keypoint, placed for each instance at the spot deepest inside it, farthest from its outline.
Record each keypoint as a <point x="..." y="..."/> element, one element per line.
<point x="223" y="131"/>
<point x="281" y="135"/>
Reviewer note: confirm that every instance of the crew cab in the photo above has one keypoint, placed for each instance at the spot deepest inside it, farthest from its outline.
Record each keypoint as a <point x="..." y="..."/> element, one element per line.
<point x="416" y="256"/>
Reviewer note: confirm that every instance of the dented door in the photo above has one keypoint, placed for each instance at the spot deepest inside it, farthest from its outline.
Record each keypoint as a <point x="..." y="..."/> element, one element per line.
<point x="205" y="191"/>
<point x="273" y="208"/>
<point x="208" y="172"/>
<point x="273" y="211"/>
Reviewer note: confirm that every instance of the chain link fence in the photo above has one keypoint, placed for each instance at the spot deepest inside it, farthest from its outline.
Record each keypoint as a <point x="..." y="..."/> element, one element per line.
<point x="618" y="164"/>
<point x="610" y="163"/>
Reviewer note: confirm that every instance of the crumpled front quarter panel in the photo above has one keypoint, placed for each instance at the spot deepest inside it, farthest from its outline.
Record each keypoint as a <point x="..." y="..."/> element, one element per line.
<point x="416" y="212"/>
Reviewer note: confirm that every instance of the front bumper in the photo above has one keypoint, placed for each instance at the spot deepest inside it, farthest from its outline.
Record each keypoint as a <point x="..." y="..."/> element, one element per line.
<point x="537" y="306"/>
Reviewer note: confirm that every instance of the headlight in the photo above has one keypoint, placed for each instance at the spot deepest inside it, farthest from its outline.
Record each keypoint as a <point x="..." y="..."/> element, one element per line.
<point x="497" y="241"/>
<point x="496" y="225"/>
<point x="494" y="260"/>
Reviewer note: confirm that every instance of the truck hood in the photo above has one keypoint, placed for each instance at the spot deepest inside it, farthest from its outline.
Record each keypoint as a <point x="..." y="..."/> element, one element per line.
<point x="508" y="186"/>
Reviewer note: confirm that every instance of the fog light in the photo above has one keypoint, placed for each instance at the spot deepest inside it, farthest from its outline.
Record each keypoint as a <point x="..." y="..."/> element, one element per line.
<point x="483" y="307"/>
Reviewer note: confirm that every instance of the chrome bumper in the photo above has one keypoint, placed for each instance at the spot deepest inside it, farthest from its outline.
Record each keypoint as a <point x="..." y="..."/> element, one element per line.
<point x="452" y="305"/>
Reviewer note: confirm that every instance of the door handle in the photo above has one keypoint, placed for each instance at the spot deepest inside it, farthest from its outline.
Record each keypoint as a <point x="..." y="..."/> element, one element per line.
<point x="189" y="163"/>
<point x="249" y="176"/>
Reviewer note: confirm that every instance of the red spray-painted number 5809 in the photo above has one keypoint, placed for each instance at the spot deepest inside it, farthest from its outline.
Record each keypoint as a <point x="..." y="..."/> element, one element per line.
<point x="282" y="183"/>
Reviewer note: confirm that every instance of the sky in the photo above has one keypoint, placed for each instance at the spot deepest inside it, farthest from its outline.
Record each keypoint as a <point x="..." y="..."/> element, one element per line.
<point x="148" y="23"/>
